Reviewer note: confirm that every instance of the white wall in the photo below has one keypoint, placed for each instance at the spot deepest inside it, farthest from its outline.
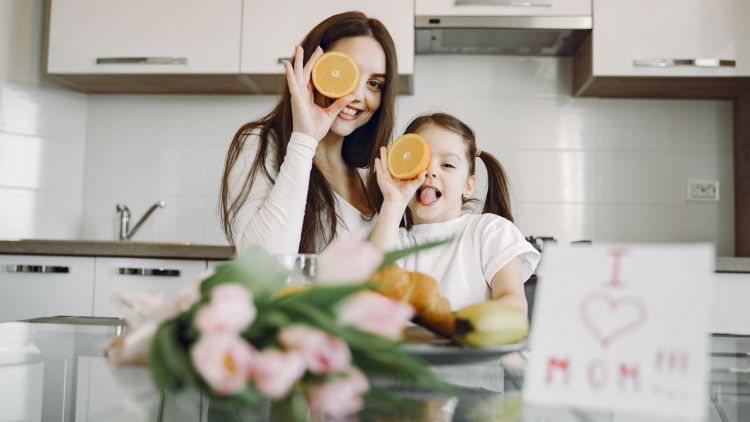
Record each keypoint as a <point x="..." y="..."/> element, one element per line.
<point x="606" y="170"/>
<point x="42" y="135"/>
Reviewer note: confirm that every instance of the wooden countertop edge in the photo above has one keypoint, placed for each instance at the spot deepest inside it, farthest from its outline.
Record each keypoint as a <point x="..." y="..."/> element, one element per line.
<point x="724" y="264"/>
<point x="116" y="249"/>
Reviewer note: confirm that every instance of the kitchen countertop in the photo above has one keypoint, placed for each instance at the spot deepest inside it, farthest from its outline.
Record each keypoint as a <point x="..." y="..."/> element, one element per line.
<point x="186" y="250"/>
<point x="116" y="248"/>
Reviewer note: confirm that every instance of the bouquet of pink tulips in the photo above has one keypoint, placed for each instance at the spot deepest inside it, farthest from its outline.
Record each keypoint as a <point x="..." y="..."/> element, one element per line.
<point x="318" y="349"/>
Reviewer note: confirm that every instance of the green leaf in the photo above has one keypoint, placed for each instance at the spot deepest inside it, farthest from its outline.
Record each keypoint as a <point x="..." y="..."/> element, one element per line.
<point x="311" y="315"/>
<point x="322" y="296"/>
<point x="292" y="408"/>
<point x="393" y="256"/>
<point x="260" y="271"/>
<point x="247" y="398"/>
<point x="378" y="356"/>
<point x="169" y="362"/>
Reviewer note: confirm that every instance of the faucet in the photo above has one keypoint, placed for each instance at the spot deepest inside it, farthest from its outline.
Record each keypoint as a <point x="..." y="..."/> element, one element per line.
<point x="125" y="232"/>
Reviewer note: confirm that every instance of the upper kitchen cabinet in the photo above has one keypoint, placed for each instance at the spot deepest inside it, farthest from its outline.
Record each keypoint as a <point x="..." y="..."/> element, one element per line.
<point x="145" y="46"/>
<point x="668" y="48"/>
<point x="271" y="29"/>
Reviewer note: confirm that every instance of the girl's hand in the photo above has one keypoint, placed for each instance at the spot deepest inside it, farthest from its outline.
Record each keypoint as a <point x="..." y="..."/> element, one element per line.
<point x="308" y="117"/>
<point x="395" y="190"/>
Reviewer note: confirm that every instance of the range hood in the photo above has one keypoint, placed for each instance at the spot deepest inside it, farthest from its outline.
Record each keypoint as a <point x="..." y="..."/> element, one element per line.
<point x="514" y="35"/>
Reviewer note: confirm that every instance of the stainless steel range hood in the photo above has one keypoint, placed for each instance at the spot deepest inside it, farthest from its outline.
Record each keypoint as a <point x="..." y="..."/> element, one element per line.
<point x="515" y="35"/>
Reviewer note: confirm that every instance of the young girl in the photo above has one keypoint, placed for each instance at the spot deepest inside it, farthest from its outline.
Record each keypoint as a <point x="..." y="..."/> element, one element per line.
<point x="292" y="178"/>
<point x="488" y="257"/>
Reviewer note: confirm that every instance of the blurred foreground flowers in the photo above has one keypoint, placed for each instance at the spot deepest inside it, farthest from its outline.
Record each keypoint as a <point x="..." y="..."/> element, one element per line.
<point x="232" y="336"/>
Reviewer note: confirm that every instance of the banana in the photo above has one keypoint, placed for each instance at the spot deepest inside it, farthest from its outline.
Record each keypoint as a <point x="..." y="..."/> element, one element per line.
<point x="490" y="323"/>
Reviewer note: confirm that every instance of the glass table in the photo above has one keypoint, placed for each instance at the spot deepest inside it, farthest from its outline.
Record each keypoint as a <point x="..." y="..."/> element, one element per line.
<point x="54" y="369"/>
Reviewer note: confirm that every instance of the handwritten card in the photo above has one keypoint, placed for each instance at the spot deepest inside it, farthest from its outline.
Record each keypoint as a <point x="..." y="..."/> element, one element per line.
<point x="622" y="328"/>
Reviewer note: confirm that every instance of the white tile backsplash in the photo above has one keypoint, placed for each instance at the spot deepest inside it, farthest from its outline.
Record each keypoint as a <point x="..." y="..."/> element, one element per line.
<point x="665" y="125"/>
<point x="697" y="222"/>
<point x="661" y="178"/>
<point x="39" y="214"/>
<point x="37" y="110"/>
<point x="575" y="164"/>
<point x="36" y="163"/>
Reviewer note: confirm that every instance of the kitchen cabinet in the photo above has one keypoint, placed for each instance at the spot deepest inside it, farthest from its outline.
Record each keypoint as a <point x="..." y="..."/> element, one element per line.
<point x="670" y="48"/>
<point x="272" y="29"/>
<point x="34" y="286"/>
<point x="165" y="276"/>
<point x="503" y="7"/>
<point x="145" y="46"/>
<point x="197" y="47"/>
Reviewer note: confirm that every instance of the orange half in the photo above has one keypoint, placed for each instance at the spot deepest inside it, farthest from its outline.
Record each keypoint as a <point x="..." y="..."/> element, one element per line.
<point x="408" y="156"/>
<point x="335" y="74"/>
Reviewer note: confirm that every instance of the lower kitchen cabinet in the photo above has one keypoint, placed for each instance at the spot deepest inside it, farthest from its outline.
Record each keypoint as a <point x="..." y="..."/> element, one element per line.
<point x="34" y="286"/>
<point x="165" y="276"/>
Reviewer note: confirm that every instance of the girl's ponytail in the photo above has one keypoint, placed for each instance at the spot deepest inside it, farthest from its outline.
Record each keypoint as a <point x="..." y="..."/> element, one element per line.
<point x="497" y="200"/>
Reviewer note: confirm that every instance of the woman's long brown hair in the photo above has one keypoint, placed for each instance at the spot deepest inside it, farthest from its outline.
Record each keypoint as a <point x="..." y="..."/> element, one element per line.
<point x="497" y="200"/>
<point x="359" y="149"/>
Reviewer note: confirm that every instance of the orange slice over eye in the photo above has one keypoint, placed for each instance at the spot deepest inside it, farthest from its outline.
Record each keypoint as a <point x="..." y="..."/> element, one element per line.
<point x="408" y="156"/>
<point x="335" y="74"/>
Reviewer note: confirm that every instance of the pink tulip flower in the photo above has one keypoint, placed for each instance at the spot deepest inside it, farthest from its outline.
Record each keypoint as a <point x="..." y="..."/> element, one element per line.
<point x="339" y="397"/>
<point x="277" y="371"/>
<point x="225" y="361"/>
<point x="230" y="310"/>
<point x="348" y="259"/>
<point x="322" y="353"/>
<point x="376" y="314"/>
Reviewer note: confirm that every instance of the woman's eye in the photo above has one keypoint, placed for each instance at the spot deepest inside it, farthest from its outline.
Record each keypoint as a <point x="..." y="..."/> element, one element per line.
<point x="375" y="85"/>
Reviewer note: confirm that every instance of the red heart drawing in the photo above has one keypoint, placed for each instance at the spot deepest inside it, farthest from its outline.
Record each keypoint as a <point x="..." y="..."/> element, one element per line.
<point x="609" y="318"/>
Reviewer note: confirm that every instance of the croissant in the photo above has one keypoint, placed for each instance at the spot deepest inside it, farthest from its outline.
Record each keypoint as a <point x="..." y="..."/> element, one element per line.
<point x="433" y="311"/>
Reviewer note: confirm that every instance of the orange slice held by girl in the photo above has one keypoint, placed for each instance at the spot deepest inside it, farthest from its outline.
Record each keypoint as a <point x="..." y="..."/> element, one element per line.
<point x="408" y="156"/>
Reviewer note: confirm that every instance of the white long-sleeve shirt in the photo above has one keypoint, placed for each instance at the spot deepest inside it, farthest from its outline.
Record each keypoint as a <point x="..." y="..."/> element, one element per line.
<point x="273" y="213"/>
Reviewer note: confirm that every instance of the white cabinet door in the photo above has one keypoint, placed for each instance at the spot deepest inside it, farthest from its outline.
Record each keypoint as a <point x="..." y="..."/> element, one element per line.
<point x="271" y="29"/>
<point x="503" y="8"/>
<point x="166" y="276"/>
<point x="36" y="286"/>
<point x="172" y="36"/>
<point x="642" y="37"/>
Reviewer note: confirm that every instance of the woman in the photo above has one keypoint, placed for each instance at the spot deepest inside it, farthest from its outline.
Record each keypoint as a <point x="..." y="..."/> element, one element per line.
<point x="293" y="180"/>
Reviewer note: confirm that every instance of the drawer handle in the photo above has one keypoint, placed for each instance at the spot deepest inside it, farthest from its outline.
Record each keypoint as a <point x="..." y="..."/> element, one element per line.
<point x="154" y="272"/>
<point x="280" y="60"/>
<point x="684" y="62"/>
<point x="46" y="269"/>
<point x="511" y="3"/>
<point x="141" y="60"/>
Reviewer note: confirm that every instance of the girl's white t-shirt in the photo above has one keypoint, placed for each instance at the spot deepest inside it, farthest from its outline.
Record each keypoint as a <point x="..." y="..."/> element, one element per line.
<point x="464" y="268"/>
<point x="273" y="213"/>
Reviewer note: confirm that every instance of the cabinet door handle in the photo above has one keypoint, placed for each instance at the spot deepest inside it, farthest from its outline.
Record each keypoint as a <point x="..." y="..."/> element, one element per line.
<point x="684" y="62"/>
<point x="51" y="269"/>
<point x="154" y="272"/>
<point x="511" y="3"/>
<point x="141" y="60"/>
<point x="280" y="60"/>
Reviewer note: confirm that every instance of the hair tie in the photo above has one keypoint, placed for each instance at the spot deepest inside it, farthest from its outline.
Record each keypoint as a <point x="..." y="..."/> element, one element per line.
<point x="479" y="152"/>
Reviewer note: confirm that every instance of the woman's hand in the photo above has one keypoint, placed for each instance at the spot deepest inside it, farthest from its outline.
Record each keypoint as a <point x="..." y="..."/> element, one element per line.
<point x="395" y="190"/>
<point x="308" y="117"/>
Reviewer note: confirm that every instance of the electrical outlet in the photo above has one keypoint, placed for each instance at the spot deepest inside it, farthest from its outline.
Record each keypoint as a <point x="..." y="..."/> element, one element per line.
<point x="703" y="190"/>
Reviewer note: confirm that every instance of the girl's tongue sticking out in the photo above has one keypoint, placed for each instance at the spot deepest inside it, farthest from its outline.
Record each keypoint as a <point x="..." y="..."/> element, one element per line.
<point x="427" y="195"/>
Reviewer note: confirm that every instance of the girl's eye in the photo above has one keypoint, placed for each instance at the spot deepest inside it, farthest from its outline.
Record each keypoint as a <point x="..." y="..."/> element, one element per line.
<point x="375" y="84"/>
<point x="451" y="166"/>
